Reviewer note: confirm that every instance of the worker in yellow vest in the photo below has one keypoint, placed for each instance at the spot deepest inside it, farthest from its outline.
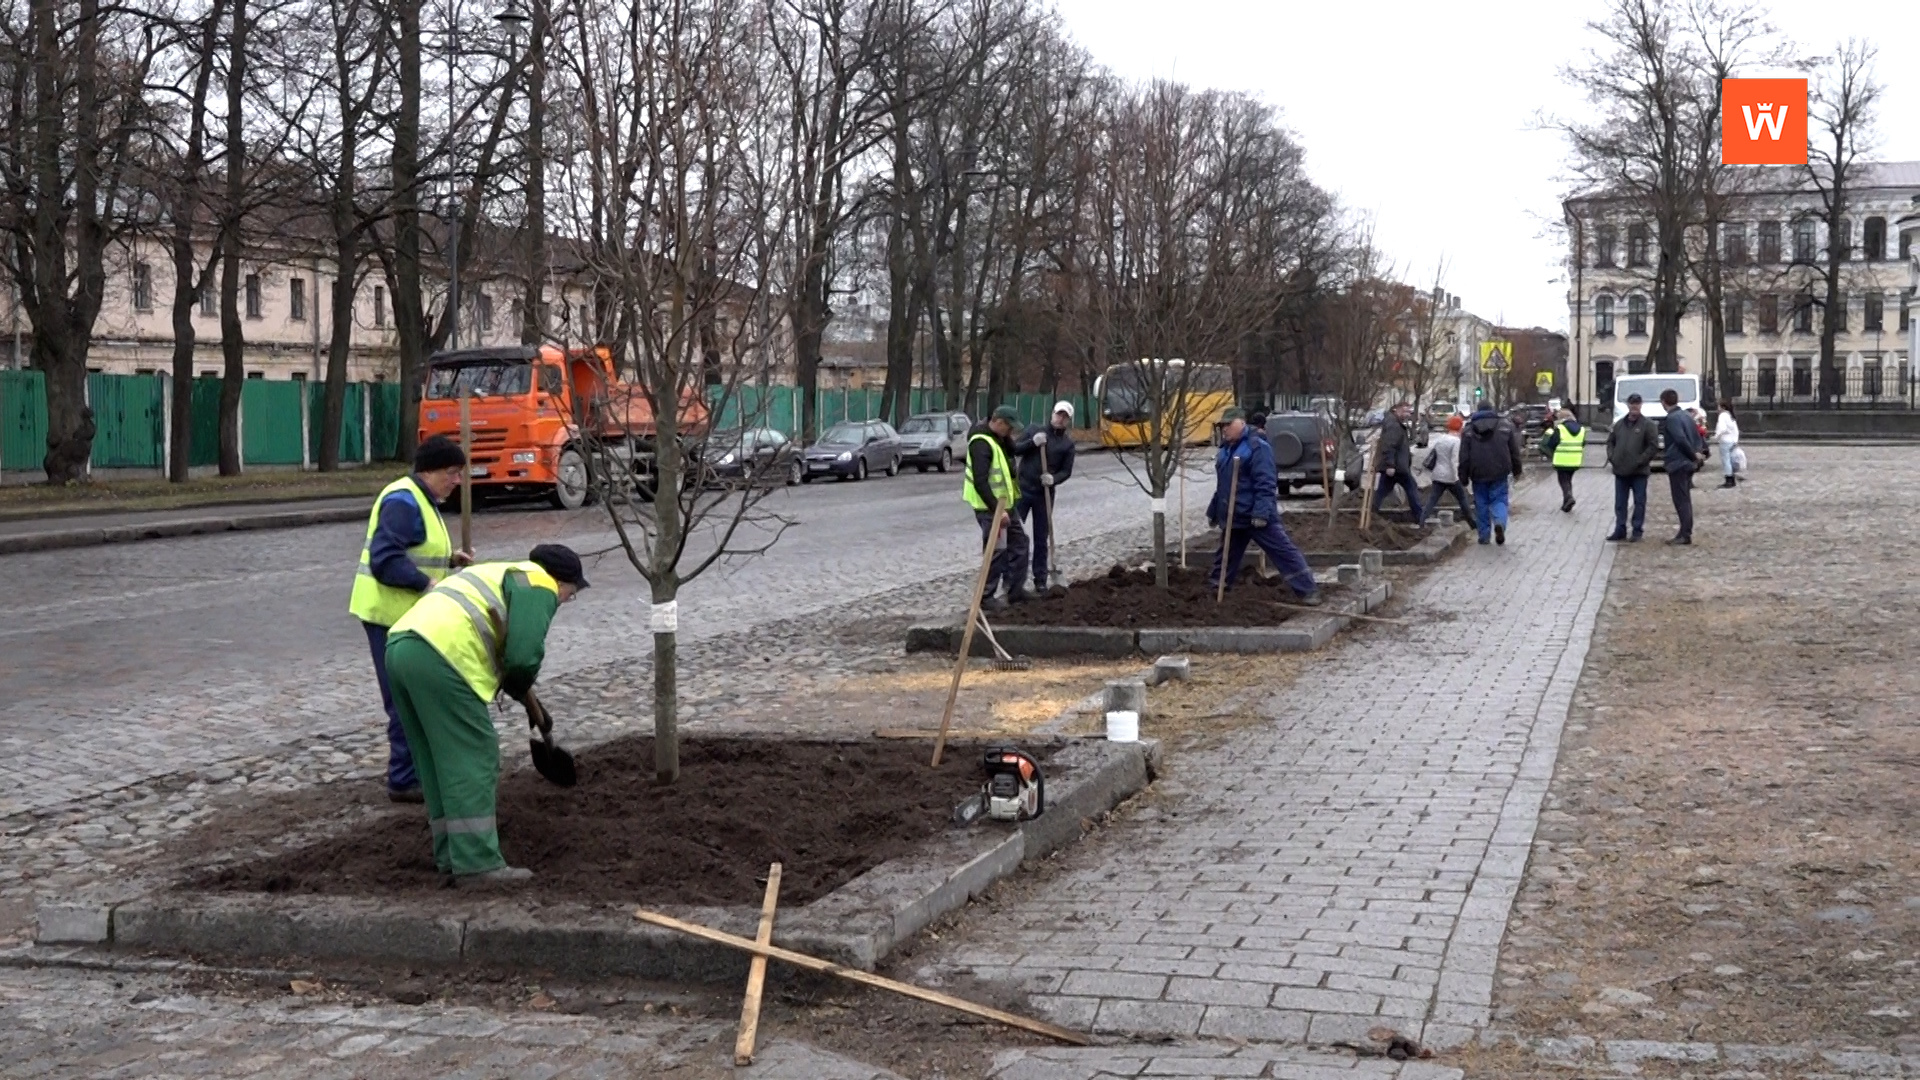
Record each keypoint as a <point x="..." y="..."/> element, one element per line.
<point x="478" y="634"/>
<point x="1566" y="444"/>
<point x="407" y="552"/>
<point x="991" y="482"/>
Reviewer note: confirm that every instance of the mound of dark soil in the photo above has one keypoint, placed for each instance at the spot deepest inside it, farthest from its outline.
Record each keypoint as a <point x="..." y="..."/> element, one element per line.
<point x="826" y="811"/>
<point x="1128" y="600"/>
<point x="1311" y="533"/>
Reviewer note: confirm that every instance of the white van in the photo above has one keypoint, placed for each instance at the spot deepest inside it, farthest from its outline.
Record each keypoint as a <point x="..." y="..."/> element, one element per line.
<point x="1650" y="387"/>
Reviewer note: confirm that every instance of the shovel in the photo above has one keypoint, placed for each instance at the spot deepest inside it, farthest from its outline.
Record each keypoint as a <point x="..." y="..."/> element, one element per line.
<point x="1056" y="577"/>
<point x="549" y="760"/>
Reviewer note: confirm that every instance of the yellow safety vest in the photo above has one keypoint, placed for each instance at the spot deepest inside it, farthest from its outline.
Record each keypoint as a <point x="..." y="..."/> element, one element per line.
<point x="382" y="605"/>
<point x="1000" y="480"/>
<point x="464" y="618"/>
<point x="1571" y="449"/>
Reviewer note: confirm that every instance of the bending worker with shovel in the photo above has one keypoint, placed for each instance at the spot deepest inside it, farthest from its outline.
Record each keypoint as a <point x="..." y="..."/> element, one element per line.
<point x="479" y="632"/>
<point x="1246" y="503"/>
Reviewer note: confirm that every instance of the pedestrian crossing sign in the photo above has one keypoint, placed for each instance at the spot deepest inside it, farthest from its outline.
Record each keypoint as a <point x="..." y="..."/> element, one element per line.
<point x="1496" y="356"/>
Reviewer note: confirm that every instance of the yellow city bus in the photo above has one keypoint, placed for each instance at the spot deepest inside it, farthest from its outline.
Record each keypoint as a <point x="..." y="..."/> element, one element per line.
<point x="1190" y="397"/>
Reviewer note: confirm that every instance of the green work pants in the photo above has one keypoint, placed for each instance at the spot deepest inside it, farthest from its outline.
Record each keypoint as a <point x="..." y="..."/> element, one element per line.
<point x="455" y="753"/>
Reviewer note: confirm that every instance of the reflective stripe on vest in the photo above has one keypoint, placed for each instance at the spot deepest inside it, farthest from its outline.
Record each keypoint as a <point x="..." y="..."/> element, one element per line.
<point x="1571" y="449"/>
<point x="382" y="605"/>
<point x="1000" y="479"/>
<point x="464" y="618"/>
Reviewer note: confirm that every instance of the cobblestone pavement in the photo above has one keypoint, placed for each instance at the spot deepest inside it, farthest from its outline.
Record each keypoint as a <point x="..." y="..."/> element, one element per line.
<point x="57" y="1022"/>
<point x="1346" y="867"/>
<point x="232" y="654"/>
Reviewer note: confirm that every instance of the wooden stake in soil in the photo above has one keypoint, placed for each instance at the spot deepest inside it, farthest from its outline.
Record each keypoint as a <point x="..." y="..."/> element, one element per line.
<point x="973" y="619"/>
<point x="1226" y="531"/>
<point x="825" y="967"/>
<point x="1183" y="515"/>
<point x="757" y="974"/>
<point x="466" y="473"/>
<point x="1366" y="488"/>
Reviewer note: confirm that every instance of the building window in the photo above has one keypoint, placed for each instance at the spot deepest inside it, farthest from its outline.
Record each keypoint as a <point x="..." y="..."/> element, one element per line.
<point x="1906" y="312"/>
<point x="1803" y="313"/>
<point x="1840" y="239"/>
<point x="1803" y="241"/>
<point x="256" y="374"/>
<point x="1637" y="244"/>
<point x="1837" y="314"/>
<point x="1603" y="316"/>
<point x="1873" y="240"/>
<point x="1735" y="311"/>
<point x="209" y="299"/>
<point x="142" y="287"/>
<point x="1874" y="319"/>
<point x="1870" y="379"/>
<point x="254" y="304"/>
<point x="1636" y="316"/>
<point x="1734" y="244"/>
<point x="1802" y="376"/>
<point x="1603" y="241"/>
<point x="483" y="311"/>
<point x="1769" y="383"/>
<point x="1769" y="242"/>
<point x="379" y="305"/>
<point x="297" y="299"/>
<point x="1769" y="312"/>
<point x="1906" y="246"/>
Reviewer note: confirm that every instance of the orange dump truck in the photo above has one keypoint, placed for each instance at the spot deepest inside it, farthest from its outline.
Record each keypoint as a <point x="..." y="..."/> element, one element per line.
<point x="532" y="410"/>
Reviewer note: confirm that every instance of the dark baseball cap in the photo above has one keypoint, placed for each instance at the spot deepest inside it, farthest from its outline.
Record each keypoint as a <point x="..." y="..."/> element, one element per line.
<point x="560" y="561"/>
<point x="1007" y="413"/>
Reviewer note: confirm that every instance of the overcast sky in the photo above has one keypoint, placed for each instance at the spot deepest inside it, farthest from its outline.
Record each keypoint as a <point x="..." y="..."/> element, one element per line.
<point x="1423" y="115"/>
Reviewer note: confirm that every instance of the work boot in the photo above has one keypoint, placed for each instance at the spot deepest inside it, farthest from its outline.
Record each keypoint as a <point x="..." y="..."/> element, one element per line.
<point x="1500" y="534"/>
<point x="993" y="603"/>
<point x="1312" y="599"/>
<point x="1566" y="505"/>
<point x="505" y="876"/>
<point x="1616" y="537"/>
<point x="1020" y="596"/>
<point x="1680" y="541"/>
<point x="406" y="795"/>
<point x="1729" y="482"/>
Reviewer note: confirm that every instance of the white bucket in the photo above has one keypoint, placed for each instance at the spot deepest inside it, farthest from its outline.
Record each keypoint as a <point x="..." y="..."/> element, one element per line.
<point x="1123" y="726"/>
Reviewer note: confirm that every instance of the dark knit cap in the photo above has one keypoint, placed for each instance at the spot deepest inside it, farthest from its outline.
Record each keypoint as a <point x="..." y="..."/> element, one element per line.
<point x="1007" y="413"/>
<point x="560" y="561"/>
<point x="437" y="452"/>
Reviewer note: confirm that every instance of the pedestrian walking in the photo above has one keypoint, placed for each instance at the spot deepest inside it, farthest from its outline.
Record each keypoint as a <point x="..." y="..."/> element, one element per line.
<point x="990" y="483"/>
<point x="479" y="633"/>
<point x="1443" y="461"/>
<point x="1246" y="477"/>
<point x="407" y="551"/>
<point x="1686" y="451"/>
<point x="1046" y="461"/>
<point x="1726" y="434"/>
<point x="1631" y="447"/>
<point x="1393" y="461"/>
<point x="1491" y="456"/>
<point x="1565" y="444"/>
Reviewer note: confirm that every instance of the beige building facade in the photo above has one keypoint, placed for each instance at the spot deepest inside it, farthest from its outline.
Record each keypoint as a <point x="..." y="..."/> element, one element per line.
<point x="1773" y="250"/>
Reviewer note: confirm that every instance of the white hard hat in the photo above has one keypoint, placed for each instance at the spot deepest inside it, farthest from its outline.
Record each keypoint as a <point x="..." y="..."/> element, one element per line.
<point x="1064" y="407"/>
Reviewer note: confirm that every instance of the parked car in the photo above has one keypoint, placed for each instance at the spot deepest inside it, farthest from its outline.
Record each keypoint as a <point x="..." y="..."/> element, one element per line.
<point x="852" y="449"/>
<point x="1531" y="420"/>
<point x="1439" y="412"/>
<point x="1304" y="448"/>
<point x="755" y="455"/>
<point x="934" y="440"/>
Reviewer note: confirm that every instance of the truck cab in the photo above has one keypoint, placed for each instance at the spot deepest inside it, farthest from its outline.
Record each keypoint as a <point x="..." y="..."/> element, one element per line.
<point x="534" y="411"/>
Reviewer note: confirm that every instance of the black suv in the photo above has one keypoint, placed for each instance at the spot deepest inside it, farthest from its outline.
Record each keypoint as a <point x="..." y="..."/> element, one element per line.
<point x="1304" y="446"/>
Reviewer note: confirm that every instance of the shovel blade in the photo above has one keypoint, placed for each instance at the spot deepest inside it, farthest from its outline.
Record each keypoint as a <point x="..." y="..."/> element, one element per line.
<point x="553" y="763"/>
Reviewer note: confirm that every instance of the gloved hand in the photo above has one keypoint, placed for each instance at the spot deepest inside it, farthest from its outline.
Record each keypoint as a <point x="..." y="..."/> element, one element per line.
<point x="537" y="716"/>
<point x="1040" y="439"/>
<point x="1046" y="479"/>
<point x="460" y="559"/>
<point x="1259" y="523"/>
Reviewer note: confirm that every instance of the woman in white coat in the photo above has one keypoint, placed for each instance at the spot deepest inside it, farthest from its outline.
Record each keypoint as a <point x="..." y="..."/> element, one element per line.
<point x="1726" y="433"/>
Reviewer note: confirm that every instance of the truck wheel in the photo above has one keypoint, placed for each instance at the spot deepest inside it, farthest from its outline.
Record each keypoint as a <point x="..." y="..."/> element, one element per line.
<point x="1286" y="486"/>
<point x="570" y="489"/>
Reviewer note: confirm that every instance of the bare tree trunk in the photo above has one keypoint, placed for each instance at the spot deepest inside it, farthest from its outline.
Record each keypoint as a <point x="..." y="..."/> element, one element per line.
<point x="232" y="337"/>
<point x="533" y="322"/>
<point x="409" y="306"/>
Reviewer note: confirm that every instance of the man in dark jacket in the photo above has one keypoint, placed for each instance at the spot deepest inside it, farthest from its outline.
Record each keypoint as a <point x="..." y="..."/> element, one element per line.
<point x="1686" y="449"/>
<point x="1393" y="460"/>
<point x="1046" y="461"/>
<point x="1631" y="447"/>
<point x="1245" y="470"/>
<point x="989" y="483"/>
<point x="1491" y="456"/>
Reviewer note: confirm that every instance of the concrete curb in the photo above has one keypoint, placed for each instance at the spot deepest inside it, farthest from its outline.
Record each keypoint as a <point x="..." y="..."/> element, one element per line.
<point x="858" y="924"/>
<point x="1303" y="634"/>
<point x="54" y="539"/>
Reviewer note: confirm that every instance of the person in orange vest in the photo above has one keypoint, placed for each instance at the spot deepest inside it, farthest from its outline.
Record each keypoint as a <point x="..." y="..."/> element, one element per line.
<point x="406" y="553"/>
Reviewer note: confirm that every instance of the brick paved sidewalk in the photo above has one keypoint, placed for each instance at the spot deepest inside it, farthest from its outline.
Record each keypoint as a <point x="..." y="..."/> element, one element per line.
<point x="1349" y="864"/>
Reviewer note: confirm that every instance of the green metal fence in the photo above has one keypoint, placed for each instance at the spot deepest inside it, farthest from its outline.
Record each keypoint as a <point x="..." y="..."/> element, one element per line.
<point x="129" y="425"/>
<point x="23" y="419"/>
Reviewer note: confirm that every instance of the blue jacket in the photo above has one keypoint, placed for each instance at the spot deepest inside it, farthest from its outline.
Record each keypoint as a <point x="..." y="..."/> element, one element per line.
<point x="1684" y="444"/>
<point x="401" y="526"/>
<point x="1257" y="496"/>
